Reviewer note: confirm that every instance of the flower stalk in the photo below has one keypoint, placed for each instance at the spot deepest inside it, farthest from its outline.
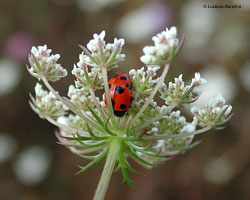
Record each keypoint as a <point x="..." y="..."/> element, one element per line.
<point x="102" y="187"/>
<point x="106" y="87"/>
<point x="157" y="87"/>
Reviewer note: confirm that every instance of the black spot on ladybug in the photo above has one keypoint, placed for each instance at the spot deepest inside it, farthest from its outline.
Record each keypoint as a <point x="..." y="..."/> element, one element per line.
<point x="119" y="89"/>
<point x="113" y="103"/>
<point x="131" y="99"/>
<point x="119" y="113"/>
<point x="129" y="86"/>
<point x="109" y="86"/>
<point x="123" y="106"/>
<point x="123" y="78"/>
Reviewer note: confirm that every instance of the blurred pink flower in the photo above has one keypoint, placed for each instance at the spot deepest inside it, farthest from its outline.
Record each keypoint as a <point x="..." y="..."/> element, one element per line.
<point x="18" y="45"/>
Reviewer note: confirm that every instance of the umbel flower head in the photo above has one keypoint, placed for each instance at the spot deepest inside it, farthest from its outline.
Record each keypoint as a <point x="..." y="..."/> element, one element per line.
<point x="42" y="64"/>
<point x="149" y="133"/>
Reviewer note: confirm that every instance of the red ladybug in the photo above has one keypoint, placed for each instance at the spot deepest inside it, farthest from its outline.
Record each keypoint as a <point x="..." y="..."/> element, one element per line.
<point x="121" y="93"/>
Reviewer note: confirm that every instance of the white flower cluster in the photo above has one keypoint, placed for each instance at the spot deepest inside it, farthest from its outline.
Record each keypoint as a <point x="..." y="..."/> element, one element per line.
<point x="169" y="125"/>
<point x="46" y="105"/>
<point x="102" y="54"/>
<point x="80" y="127"/>
<point x="143" y="81"/>
<point x="174" y="124"/>
<point x="86" y="79"/>
<point x="179" y="93"/>
<point x="197" y="80"/>
<point x="165" y="44"/>
<point x="45" y="65"/>
<point x="72" y="121"/>
<point x="173" y="146"/>
<point x="215" y="114"/>
<point x="80" y="98"/>
<point x="152" y="110"/>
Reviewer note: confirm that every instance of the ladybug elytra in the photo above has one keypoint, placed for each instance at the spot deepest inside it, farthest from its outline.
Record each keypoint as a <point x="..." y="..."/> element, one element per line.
<point x="121" y="93"/>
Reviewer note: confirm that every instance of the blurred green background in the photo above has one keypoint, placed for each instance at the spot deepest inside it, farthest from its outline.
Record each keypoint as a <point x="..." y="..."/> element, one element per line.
<point x="34" y="167"/>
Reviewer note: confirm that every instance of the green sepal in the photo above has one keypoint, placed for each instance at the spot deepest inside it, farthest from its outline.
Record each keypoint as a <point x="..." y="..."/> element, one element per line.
<point x="138" y="158"/>
<point x="106" y="128"/>
<point x="86" y="75"/>
<point x="124" y="168"/>
<point x="221" y="114"/>
<point x="88" y="54"/>
<point x="133" y="133"/>
<point x="134" y="139"/>
<point x="177" y="50"/>
<point x="37" y="63"/>
<point x="142" y="148"/>
<point x="184" y="96"/>
<point x="125" y="163"/>
<point x="189" y="101"/>
<point x="95" y="161"/>
<point x="117" y="168"/>
<point x="78" y="138"/>
<point x="89" y="157"/>
<point x="99" y="121"/>
<point x="127" y="131"/>
<point x="91" y="132"/>
<point x="192" y="145"/>
<point x="126" y="177"/>
<point x="92" y="145"/>
<point x="145" y="152"/>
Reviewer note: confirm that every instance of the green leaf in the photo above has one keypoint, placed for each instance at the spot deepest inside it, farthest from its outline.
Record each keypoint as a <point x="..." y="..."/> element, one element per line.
<point x="92" y="145"/>
<point x="89" y="157"/>
<point x="124" y="168"/>
<point x="192" y="145"/>
<point x="133" y="133"/>
<point x="78" y="138"/>
<point x="124" y="163"/>
<point x="88" y="54"/>
<point x="37" y="63"/>
<point x="134" y="155"/>
<point x="145" y="152"/>
<point x="99" y="121"/>
<point x="117" y="168"/>
<point x="127" y="131"/>
<point x="91" y="132"/>
<point x="126" y="177"/>
<point x="135" y="139"/>
<point x="106" y="128"/>
<point x="95" y="161"/>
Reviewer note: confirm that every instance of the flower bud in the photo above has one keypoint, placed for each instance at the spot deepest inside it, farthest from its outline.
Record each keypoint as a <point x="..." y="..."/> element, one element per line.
<point x="42" y="64"/>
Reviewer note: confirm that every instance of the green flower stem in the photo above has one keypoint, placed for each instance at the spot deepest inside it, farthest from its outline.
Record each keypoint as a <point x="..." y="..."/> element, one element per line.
<point x="169" y="109"/>
<point x="69" y="105"/>
<point x="157" y="87"/>
<point x="108" y="170"/>
<point x="105" y="80"/>
<point x="186" y="134"/>
<point x="92" y="93"/>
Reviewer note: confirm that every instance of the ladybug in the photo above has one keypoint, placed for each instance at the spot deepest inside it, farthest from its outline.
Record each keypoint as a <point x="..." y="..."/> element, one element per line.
<point x="121" y="93"/>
